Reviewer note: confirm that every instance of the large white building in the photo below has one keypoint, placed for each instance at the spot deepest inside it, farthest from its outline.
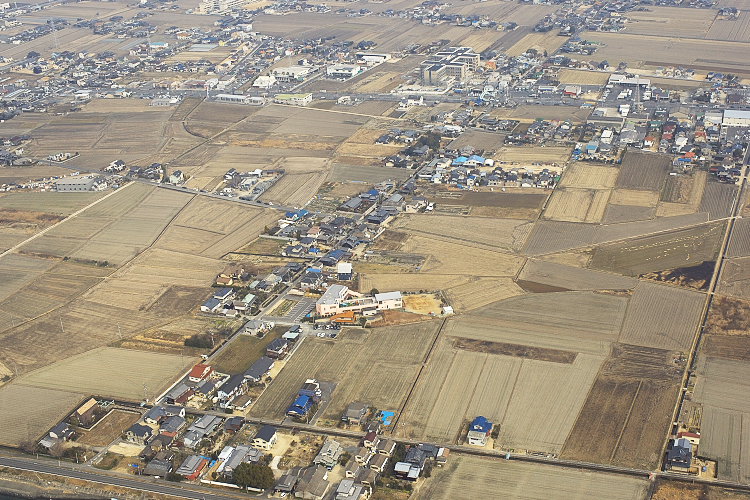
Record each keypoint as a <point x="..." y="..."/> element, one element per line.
<point x="338" y="299"/>
<point x="343" y="71"/>
<point x="454" y="64"/>
<point x="291" y="73"/>
<point x="80" y="183"/>
<point x="736" y="118"/>
<point x="293" y="99"/>
<point x="219" y="6"/>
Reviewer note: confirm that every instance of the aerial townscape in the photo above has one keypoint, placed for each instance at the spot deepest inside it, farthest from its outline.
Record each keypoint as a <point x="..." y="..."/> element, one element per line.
<point x="375" y="249"/>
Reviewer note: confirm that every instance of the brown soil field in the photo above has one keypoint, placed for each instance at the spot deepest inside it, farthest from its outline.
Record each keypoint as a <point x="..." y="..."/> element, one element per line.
<point x="635" y="198"/>
<point x="580" y="77"/>
<point x="390" y="240"/>
<point x="735" y="278"/>
<point x="527" y="155"/>
<point x="527" y="113"/>
<point x="295" y="190"/>
<point x="737" y="30"/>
<point x="518" y="199"/>
<point x="540" y="41"/>
<point x="587" y="176"/>
<point x="694" y="277"/>
<point x="670" y="21"/>
<point x="423" y="304"/>
<point x="34" y="411"/>
<point x="390" y="355"/>
<point x="717" y="199"/>
<point x="739" y="245"/>
<point x="663" y="317"/>
<point x="515" y="350"/>
<point x="629" y="213"/>
<point x="474" y="477"/>
<point x="343" y="172"/>
<point x="480" y="292"/>
<point x="674" y="490"/>
<point x="727" y="347"/>
<point x="610" y="427"/>
<point x="670" y="250"/>
<point x="485" y="141"/>
<point x="502" y="234"/>
<point x="110" y="372"/>
<point x="577" y="205"/>
<point x="640" y="170"/>
<point x="49" y="203"/>
<point x="728" y="316"/>
<point x="573" y="278"/>
<point x="110" y="428"/>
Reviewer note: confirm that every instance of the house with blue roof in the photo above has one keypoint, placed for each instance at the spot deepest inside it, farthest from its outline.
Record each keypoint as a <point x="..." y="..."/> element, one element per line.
<point x="301" y="407"/>
<point x="479" y="431"/>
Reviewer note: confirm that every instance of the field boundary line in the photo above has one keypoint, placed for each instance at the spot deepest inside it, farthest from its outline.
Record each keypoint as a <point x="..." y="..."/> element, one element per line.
<point x="71" y="216"/>
<point x="625" y="422"/>
<point x="419" y="374"/>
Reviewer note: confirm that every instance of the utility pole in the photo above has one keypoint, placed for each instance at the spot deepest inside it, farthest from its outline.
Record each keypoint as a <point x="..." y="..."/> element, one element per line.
<point x="61" y="325"/>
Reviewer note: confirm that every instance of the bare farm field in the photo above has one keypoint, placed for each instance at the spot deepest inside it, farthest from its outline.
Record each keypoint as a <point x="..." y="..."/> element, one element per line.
<point x="735" y="278"/>
<point x="528" y="155"/>
<point x="295" y="189"/>
<point x="670" y="21"/>
<point x="635" y="385"/>
<point x="51" y="203"/>
<point x="583" y="321"/>
<point x="632" y="197"/>
<point x="474" y="477"/>
<point x="573" y="278"/>
<point x="663" y="317"/>
<point x="110" y="372"/>
<point x="669" y="250"/>
<point x="577" y="205"/>
<point x="737" y="30"/>
<point x="549" y="42"/>
<point x="390" y="355"/>
<point x="588" y="176"/>
<point x="502" y="234"/>
<point x="717" y="199"/>
<point x="110" y="428"/>
<point x="640" y="170"/>
<point x="615" y="214"/>
<point x="34" y="411"/>
<point x="506" y="389"/>
<point x="581" y="77"/>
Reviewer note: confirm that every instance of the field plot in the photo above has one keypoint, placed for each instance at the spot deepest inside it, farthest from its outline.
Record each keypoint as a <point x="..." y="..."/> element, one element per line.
<point x="673" y="490"/>
<point x="627" y="213"/>
<point x="527" y="113"/>
<point x="487" y="141"/>
<point x="634" y="197"/>
<point x="529" y="155"/>
<point x="669" y="250"/>
<point x="390" y="355"/>
<point x="460" y="384"/>
<point x="299" y="186"/>
<point x="16" y="271"/>
<point x="636" y="385"/>
<point x="577" y="205"/>
<point x="447" y="257"/>
<point x="110" y="372"/>
<point x="739" y="245"/>
<point x="670" y="21"/>
<point x="737" y="30"/>
<point x="481" y="291"/>
<point x="110" y="428"/>
<point x="735" y="278"/>
<point x="583" y="321"/>
<point x="29" y="412"/>
<point x="662" y="317"/>
<point x="667" y="51"/>
<point x="474" y="477"/>
<point x="587" y="176"/>
<point x="342" y="172"/>
<point x="548" y="42"/>
<point x="504" y="234"/>
<point x="244" y="351"/>
<point x="555" y="236"/>
<point x="51" y="203"/>
<point x="717" y="199"/>
<point x="581" y="77"/>
<point x="573" y="278"/>
<point x="726" y="415"/>
<point x="640" y="170"/>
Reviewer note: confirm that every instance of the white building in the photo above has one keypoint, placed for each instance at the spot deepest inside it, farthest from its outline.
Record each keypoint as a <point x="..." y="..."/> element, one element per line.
<point x="264" y="82"/>
<point x="736" y="118"/>
<point x="293" y="99"/>
<point x="338" y="299"/>
<point x="343" y="71"/>
<point x="292" y="73"/>
<point x="80" y="183"/>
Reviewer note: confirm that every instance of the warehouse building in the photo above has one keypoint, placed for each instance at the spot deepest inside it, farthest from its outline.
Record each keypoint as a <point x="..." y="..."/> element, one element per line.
<point x="80" y="183"/>
<point x="736" y="118"/>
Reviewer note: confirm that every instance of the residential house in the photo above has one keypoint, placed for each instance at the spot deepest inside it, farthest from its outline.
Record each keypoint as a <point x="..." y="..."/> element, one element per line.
<point x="204" y="426"/>
<point x="200" y="372"/>
<point x="85" y="414"/>
<point x="355" y="413"/>
<point x="212" y="305"/>
<point x="139" y="434"/>
<point x="259" y="369"/>
<point x="233" y="424"/>
<point x="62" y="431"/>
<point x="235" y="385"/>
<point x="349" y="490"/>
<point x="386" y="447"/>
<point x="160" y="465"/>
<point x="329" y="454"/>
<point x="241" y="454"/>
<point x="679" y="454"/>
<point x="192" y="467"/>
<point x="172" y="425"/>
<point x="278" y="348"/>
<point x="378" y="462"/>
<point x="363" y="454"/>
<point x="224" y="294"/>
<point x="370" y="440"/>
<point x="265" y="438"/>
<point x="288" y="481"/>
<point x="312" y="484"/>
<point x="479" y="431"/>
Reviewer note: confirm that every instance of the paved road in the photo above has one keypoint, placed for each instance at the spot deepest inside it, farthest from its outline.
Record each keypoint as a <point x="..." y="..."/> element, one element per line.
<point x="132" y="482"/>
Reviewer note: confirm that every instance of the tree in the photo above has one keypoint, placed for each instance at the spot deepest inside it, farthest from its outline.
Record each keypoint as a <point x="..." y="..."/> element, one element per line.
<point x="174" y="477"/>
<point x="32" y="55"/>
<point x="253" y="476"/>
<point x="374" y="291"/>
